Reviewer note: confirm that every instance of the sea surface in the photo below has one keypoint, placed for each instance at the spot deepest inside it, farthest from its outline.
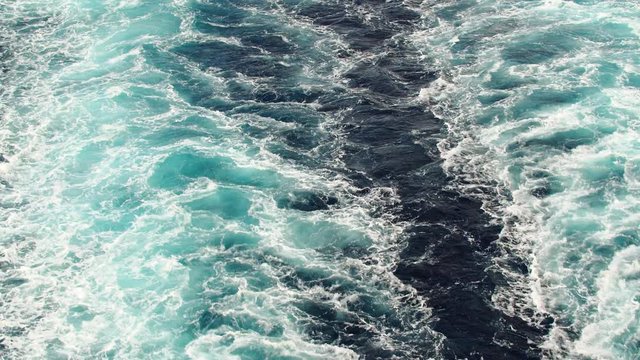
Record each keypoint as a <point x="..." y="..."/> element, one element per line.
<point x="319" y="179"/>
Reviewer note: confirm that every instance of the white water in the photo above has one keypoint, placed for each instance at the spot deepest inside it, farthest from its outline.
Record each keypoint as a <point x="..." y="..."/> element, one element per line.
<point x="107" y="253"/>
<point x="542" y="103"/>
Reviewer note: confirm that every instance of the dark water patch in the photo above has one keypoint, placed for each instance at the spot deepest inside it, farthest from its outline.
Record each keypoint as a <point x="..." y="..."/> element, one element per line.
<point x="447" y="257"/>
<point x="545" y="189"/>
<point x="283" y="113"/>
<point x="307" y="277"/>
<point x="329" y="325"/>
<point x="390" y="142"/>
<point x="207" y="27"/>
<point x="335" y="15"/>
<point x="369" y="39"/>
<point x="403" y="62"/>
<point x="399" y="14"/>
<point x="246" y="60"/>
<point x="306" y="201"/>
<point x="287" y="153"/>
<point x="451" y="242"/>
<point x="355" y="326"/>
<point x="275" y="44"/>
<point x="340" y="101"/>
<point x="285" y="93"/>
<point x="255" y="131"/>
<point x="384" y="162"/>
<point x="326" y="324"/>
<point x="378" y="126"/>
<point x="375" y="78"/>
<point x="382" y="21"/>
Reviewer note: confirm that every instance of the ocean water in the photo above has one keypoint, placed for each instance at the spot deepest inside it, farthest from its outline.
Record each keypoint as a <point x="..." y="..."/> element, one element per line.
<point x="297" y="179"/>
<point x="170" y="191"/>
<point x="542" y="105"/>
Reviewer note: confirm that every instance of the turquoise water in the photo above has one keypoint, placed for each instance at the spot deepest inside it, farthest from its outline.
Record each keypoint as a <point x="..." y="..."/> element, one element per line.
<point x="542" y="103"/>
<point x="147" y="213"/>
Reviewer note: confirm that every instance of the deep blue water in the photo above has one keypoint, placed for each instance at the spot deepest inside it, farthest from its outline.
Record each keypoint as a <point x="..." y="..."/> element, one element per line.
<point x="297" y="179"/>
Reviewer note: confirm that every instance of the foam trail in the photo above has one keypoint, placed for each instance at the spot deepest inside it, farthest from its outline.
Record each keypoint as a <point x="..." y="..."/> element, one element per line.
<point x="170" y="191"/>
<point x="541" y="101"/>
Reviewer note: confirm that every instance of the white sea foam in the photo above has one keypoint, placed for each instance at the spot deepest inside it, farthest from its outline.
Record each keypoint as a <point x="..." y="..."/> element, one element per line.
<point x="577" y="146"/>
<point x="99" y="263"/>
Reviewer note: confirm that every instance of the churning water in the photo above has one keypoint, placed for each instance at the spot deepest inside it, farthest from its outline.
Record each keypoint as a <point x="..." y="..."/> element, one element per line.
<point x="298" y="179"/>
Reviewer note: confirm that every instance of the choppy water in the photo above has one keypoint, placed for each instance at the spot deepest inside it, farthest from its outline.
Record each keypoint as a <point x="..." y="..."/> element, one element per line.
<point x="542" y="102"/>
<point x="295" y="179"/>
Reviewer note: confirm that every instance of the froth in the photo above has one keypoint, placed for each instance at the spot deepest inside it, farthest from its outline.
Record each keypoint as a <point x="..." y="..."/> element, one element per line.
<point x="542" y="120"/>
<point x="142" y="223"/>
